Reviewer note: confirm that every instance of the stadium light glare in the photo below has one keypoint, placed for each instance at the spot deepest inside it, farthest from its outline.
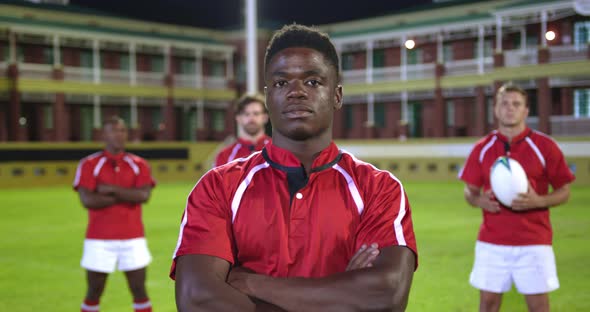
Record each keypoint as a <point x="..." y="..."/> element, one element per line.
<point x="22" y="121"/>
<point x="550" y="35"/>
<point x="410" y="44"/>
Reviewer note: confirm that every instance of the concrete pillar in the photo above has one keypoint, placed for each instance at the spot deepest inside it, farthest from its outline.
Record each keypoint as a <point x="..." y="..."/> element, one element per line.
<point x="169" y="131"/>
<point x="15" y="131"/>
<point x="544" y="95"/>
<point x="480" y="112"/>
<point x="440" y="111"/>
<point x="60" y="117"/>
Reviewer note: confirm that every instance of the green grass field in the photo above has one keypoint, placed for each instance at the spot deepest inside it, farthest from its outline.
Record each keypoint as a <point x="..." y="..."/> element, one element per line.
<point x="41" y="234"/>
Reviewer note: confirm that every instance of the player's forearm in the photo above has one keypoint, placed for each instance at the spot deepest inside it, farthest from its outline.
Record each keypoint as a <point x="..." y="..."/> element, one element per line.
<point x="366" y="289"/>
<point x="98" y="201"/>
<point x="557" y="197"/>
<point x="132" y="195"/>
<point x="471" y="197"/>
<point x="212" y="295"/>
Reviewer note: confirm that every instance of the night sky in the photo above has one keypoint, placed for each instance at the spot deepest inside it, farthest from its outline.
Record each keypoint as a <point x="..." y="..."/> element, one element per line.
<point x="228" y="14"/>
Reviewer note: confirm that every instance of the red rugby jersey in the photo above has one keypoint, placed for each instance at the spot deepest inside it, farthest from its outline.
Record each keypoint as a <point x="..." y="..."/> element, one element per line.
<point x="122" y="220"/>
<point x="240" y="149"/>
<point x="544" y="164"/>
<point x="266" y="214"/>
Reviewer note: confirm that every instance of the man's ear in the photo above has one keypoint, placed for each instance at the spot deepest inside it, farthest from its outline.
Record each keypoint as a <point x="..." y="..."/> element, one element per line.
<point x="338" y="98"/>
<point x="265" y="97"/>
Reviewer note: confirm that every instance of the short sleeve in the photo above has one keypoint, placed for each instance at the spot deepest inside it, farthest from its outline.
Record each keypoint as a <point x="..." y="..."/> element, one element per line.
<point x="144" y="176"/>
<point x="84" y="176"/>
<point x="558" y="172"/>
<point x="471" y="173"/>
<point x="206" y="226"/>
<point x="387" y="218"/>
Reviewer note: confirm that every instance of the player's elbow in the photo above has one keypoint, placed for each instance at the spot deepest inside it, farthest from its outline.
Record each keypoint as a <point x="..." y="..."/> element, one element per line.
<point x="396" y="286"/>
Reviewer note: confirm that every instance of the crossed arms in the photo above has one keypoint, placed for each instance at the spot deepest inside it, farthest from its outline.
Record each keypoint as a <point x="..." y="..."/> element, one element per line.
<point x="376" y="280"/>
<point x="107" y="195"/>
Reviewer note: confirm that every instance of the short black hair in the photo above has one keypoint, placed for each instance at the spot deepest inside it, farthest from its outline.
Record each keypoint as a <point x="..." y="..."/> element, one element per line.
<point x="246" y="99"/>
<point x="300" y="36"/>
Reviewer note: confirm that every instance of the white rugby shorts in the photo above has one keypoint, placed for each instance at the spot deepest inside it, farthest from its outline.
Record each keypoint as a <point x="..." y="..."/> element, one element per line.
<point x="531" y="268"/>
<point x="106" y="255"/>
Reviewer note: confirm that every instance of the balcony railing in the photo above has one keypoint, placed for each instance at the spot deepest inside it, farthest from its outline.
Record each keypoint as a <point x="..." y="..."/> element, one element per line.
<point x="564" y="125"/>
<point x="567" y="53"/>
<point x="78" y="74"/>
<point x="215" y="82"/>
<point x="187" y="81"/>
<point x="468" y="67"/>
<point x="35" y="71"/>
<point x="515" y="58"/>
<point x="150" y="79"/>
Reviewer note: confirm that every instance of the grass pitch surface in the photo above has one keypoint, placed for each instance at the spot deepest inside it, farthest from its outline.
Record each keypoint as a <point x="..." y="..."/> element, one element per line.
<point x="42" y="230"/>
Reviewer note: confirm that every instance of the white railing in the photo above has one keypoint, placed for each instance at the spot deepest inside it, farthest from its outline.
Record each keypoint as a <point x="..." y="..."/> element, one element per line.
<point x="468" y="67"/>
<point x="114" y="76"/>
<point x="3" y="68"/>
<point x="187" y="81"/>
<point x="214" y="82"/>
<point x="515" y="58"/>
<point x="354" y="76"/>
<point x="420" y="71"/>
<point x="35" y="71"/>
<point x="567" y="53"/>
<point x="387" y="74"/>
<point x="564" y="125"/>
<point x="150" y="78"/>
<point x="78" y="74"/>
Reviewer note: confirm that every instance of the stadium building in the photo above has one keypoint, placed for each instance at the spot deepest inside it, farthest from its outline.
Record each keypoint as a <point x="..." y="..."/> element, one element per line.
<point x="426" y="72"/>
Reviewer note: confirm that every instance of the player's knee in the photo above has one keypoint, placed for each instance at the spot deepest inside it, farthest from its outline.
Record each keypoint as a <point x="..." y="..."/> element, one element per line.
<point x="490" y="302"/>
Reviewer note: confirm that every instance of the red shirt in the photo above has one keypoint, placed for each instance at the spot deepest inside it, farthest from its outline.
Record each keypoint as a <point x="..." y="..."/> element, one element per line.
<point x="240" y="149"/>
<point x="266" y="214"/>
<point x="544" y="164"/>
<point x="122" y="220"/>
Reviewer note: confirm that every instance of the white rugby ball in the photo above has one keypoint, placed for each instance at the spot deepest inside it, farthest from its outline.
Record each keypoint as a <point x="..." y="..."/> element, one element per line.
<point x="508" y="179"/>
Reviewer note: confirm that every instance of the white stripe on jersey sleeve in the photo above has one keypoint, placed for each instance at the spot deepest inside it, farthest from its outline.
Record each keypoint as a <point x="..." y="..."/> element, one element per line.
<point x="235" y="203"/>
<point x="132" y="164"/>
<point x="354" y="192"/>
<point x="234" y="151"/>
<point x="536" y="150"/>
<point x="397" y="223"/>
<point x="482" y="154"/>
<point x="99" y="166"/>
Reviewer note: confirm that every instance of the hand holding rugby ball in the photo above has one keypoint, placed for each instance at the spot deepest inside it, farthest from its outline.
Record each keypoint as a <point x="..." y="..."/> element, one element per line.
<point x="508" y="179"/>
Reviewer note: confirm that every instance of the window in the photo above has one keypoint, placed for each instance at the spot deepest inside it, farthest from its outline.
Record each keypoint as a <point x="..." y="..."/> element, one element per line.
<point x="186" y="67"/>
<point x="581" y="34"/>
<point x="5" y="53"/>
<point x="450" y="113"/>
<point x="217" y="69"/>
<point x="448" y="52"/>
<point x="86" y="122"/>
<point x="379" y="115"/>
<point x="157" y="63"/>
<point x="582" y="103"/>
<point x="48" y="116"/>
<point x="414" y="56"/>
<point x="86" y="60"/>
<point x="348" y="117"/>
<point x="125" y="112"/>
<point x="47" y="55"/>
<point x="156" y="119"/>
<point x="218" y="120"/>
<point x="490" y="110"/>
<point x="532" y="41"/>
<point x="347" y="61"/>
<point x="124" y="62"/>
<point x="378" y="58"/>
<point x="487" y="49"/>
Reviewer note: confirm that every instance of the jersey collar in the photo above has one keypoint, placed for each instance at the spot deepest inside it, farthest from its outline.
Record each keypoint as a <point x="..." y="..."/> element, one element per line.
<point x="262" y="141"/>
<point x="114" y="156"/>
<point x="521" y="136"/>
<point x="284" y="159"/>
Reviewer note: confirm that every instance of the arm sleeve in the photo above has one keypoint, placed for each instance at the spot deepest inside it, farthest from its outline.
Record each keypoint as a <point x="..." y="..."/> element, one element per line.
<point x="84" y="176"/>
<point x="471" y="172"/>
<point x="206" y="227"/>
<point x="145" y="175"/>
<point x="387" y="218"/>
<point x="558" y="172"/>
<point x="221" y="158"/>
